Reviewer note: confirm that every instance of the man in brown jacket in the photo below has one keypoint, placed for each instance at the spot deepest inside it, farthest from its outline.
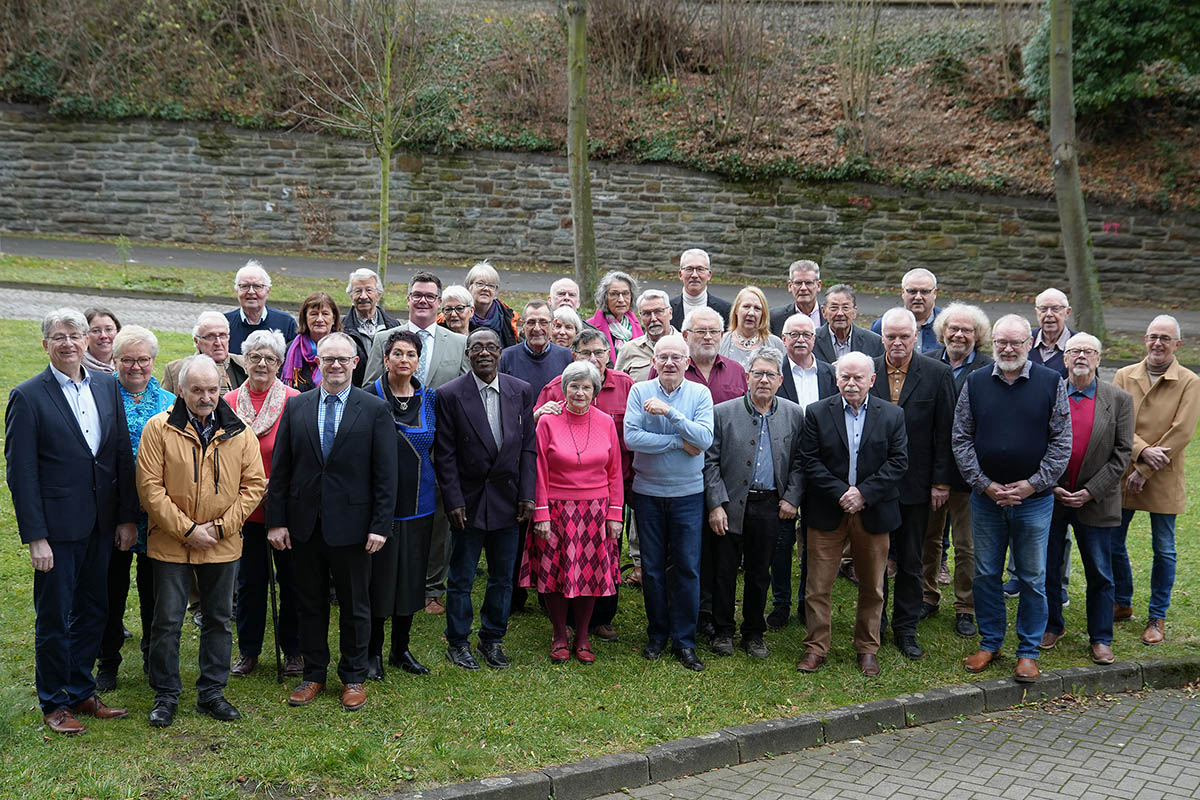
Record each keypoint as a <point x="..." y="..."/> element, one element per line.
<point x="199" y="475"/>
<point x="1166" y="405"/>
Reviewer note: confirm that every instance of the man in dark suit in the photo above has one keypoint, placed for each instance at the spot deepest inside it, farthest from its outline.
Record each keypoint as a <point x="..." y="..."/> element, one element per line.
<point x="331" y="498"/>
<point x="855" y="453"/>
<point x="1053" y="309"/>
<point x="924" y="389"/>
<point x="486" y="462"/>
<point x="366" y="316"/>
<point x="804" y="283"/>
<point x="839" y="335"/>
<point x="695" y="271"/>
<point x="70" y="472"/>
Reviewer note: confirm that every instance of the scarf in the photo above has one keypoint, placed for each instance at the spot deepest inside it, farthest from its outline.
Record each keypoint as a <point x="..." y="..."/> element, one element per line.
<point x="303" y="352"/>
<point x="96" y="365"/>
<point x="263" y="420"/>
<point x="620" y="330"/>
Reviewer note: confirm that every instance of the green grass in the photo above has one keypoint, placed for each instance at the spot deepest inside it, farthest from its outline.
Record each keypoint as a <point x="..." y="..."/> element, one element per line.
<point x="455" y="725"/>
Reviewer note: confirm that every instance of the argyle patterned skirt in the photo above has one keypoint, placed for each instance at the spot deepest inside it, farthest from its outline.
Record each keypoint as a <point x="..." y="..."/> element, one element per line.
<point x="578" y="560"/>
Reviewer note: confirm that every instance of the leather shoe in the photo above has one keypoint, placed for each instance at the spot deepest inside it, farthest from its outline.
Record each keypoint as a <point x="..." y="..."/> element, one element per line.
<point x="245" y="665"/>
<point x="907" y="644"/>
<point x="653" y="650"/>
<point x="928" y="610"/>
<point x="811" y="662"/>
<point x="94" y="708"/>
<point x="62" y="721"/>
<point x="1027" y="670"/>
<point x="1155" y="632"/>
<point x="106" y="679"/>
<point x="943" y="576"/>
<point x="755" y="647"/>
<point x="1102" y="654"/>
<point x="869" y="664"/>
<point x="778" y="618"/>
<point x="162" y="715"/>
<point x="979" y="660"/>
<point x="892" y="568"/>
<point x="218" y="708"/>
<point x="1122" y="613"/>
<point x="846" y="570"/>
<point x="408" y="662"/>
<point x="706" y="628"/>
<point x="687" y="656"/>
<point x="461" y="657"/>
<point x="434" y="605"/>
<point x="293" y="666"/>
<point x="635" y="577"/>
<point x="305" y="693"/>
<point x="605" y="633"/>
<point x="375" y="668"/>
<point x="1049" y="639"/>
<point x="722" y="646"/>
<point x="493" y="655"/>
<point x="354" y="695"/>
<point x="964" y="625"/>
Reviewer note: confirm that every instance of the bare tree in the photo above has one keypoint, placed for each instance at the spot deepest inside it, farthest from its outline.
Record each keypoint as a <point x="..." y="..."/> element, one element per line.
<point x="856" y="29"/>
<point x="577" y="148"/>
<point x="1068" y="192"/>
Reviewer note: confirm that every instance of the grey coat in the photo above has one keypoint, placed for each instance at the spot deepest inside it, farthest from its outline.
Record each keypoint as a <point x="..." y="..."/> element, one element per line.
<point x="1107" y="456"/>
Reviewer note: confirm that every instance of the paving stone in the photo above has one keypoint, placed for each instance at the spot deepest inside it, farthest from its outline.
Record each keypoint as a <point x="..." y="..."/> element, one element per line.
<point x="863" y="719"/>
<point x="1124" y="676"/>
<point x="944" y="703"/>
<point x="694" y="754"/>
<point x="593" y="776"/>
<point x="775" y="736"/>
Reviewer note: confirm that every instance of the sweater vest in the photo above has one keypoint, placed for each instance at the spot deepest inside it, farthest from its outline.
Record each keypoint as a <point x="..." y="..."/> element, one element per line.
<point x="1012" y="421"/>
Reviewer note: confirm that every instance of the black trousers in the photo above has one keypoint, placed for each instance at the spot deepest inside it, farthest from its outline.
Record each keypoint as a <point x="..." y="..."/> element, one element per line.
<point x="315" y="564"/>
<point x="111" y="642"/>
<point x="752" y="549"/>
<point x="907" y="543"/>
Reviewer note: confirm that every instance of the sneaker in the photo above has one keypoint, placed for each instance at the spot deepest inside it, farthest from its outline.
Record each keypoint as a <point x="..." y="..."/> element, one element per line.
<point x="722" y="645"/>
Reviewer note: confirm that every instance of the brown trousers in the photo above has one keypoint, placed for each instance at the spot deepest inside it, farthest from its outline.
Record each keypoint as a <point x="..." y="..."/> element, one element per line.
<point x="958" y="508"/>
<point x="869" y="551"/>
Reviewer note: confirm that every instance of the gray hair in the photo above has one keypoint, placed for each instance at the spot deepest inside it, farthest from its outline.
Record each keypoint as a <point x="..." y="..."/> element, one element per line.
<point x="457" y="292"/>
<point x="561" y="281"/>
<point x="134" y="334"/>
<point x="206" y="317"/>
<point x="582" y="370"/>
<point x="803" y="265"/>
<point x="983" y="328"/>
<point x="904" y="315"/>
<point x="252" y="266"/>
<point x="842" y="288"/>
<point x="671" y="338"/>
<point x="918" y="272"/>
<point x="69" y="317"/>
<point x="765" y="352"/>
<point x="607" y="281"/>
<point x="651" y="294"/>
<point x="570" y="316"/>
<point x="589" y="335"/>
<point x="1058" y="294"/>
<point x="190" y="363"/>
<point x="1008" y="318"/>
<point x="688" y="323"/>
<point x="337" y="336"/>
<point x="1085" y="338"/>
<point x="696" y="251"/>
<point x="855" y="357"/>
<point x="363" y="274"/>
<point x="265" y="340"/>
<point x="483" y="271"/>
<point x="1170" y="319"/>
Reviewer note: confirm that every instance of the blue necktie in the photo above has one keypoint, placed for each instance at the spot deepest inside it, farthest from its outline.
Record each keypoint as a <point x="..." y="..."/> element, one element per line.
<point x="328" y="430"/>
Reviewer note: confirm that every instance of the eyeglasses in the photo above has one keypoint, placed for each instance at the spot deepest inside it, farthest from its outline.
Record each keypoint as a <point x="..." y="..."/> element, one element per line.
<point x="262" y="358"/>
<point x="805" y="284"/>
<point x="453" y="310"/>
<point x="1050" y="309"/>
<point x="341" y="361"/>
<point x="693" y="270"/>
<point x="670" y="358"/>
<point x="758" y="375"/>
<point x="59" y="338"/>
<point x="921" y="292"/>
<point x="107" y="330"/>
<point x="956" y="329"/>
<point x="495" y="287"/>
<point x="655" y="312"/>
<point x="593" y="353"/>
<point x="706" y="332"/>
<point x="536" y="323"/>
<point x="617" y="294"/>
<point x="214" y="337"/>
<point x="833" y="309"/>
<point x="1080" y="351"/>
<point x="476" y="349"/>
<point x="252" y="287"/>
<point x="1004" y="344"/>
<point x="1159" y="337"/>
<point x="807" y="335"/>
<point x="424" y="296"/>
<point x="367" y="291"/>
<point x="143" y="362"/>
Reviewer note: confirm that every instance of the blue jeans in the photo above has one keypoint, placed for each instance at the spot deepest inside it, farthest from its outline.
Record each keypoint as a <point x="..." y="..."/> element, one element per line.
<point x="1094" y="546"/>
<point x="670" y="529"/>
<point x="501" y="548"/>
<point x="1162" y="573"/>
<point x="1025" y="528"/>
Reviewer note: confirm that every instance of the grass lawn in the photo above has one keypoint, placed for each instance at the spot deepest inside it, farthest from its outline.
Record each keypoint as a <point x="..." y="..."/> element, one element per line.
<point x="453" y="725"/>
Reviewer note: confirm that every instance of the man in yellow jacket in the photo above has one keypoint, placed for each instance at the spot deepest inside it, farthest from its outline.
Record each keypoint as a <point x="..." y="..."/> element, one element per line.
<point x="199" y="475"/>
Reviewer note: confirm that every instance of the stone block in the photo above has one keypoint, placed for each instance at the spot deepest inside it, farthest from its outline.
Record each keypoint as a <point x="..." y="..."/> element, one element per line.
<point x="775" y="736"/>
<point x="943" y="703"/>
<point x="1168" y="674"/>
<point x="1123" y="676"/>
<point x="517" y="786"/>
<point x="862" y="719"/>
<point x="600" y="775"/>
<point x="694" y="754"/>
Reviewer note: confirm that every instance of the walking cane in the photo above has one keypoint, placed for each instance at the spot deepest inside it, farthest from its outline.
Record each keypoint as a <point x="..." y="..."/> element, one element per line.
<point x="274" y="617"/>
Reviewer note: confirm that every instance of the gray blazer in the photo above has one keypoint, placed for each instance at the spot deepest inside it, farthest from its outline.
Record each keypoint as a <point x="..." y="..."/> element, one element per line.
<point x="861" y="340"/>
<point x="1108" y="452"/>
<point x="726" y="476"/>
<point x="449" y="356"/>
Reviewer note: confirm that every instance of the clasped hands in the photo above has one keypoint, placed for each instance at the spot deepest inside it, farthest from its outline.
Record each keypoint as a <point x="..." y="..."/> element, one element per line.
<point x="1009" y="494"/>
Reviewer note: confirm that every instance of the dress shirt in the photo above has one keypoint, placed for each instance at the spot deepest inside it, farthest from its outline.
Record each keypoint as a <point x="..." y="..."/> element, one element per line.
<point x="896" y="377"/>
<point x="726" y="380"/>
<point x="1048" y="350"/>
<point x="339" y="408"/>
<point x="83" y="406"/>
<point x="763" y="478"/>
<point x="490" y="393"/>
<point x="426" y="343"/>
<point x="840" y="350"/>
<point x="814" y="315"/>
<point x="926" y="338"/>
<point x="372" y="326"/>
<point x="261" y="317"/>
<point x="854" y="430"/>
<point x="204" y="428"/>
<point x="958" y="370"/>
<point x="807" y="388"/>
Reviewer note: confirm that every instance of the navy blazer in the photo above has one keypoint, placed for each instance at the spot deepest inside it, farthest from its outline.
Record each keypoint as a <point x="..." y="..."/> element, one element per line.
<point x="861" y="341"/>
<point x="353" y="492"/>
<point x="1056" y="361"/>
<point x="472" y="472"/>
<point x="928" y="400"/>
<point x="718" y="305"/>
<point x="826" y="381"/>
<point x="60" y="491"/>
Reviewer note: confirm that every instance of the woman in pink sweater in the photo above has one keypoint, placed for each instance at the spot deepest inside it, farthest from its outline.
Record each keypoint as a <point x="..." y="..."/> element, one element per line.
<point x="571" y="552"/>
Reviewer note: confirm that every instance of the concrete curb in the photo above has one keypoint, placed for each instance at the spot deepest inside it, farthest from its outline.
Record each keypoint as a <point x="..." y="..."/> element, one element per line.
<point x="593" y="777"/>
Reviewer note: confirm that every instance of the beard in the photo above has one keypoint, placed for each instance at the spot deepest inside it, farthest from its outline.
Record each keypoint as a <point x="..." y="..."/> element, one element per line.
<point x="1013" y="365"/>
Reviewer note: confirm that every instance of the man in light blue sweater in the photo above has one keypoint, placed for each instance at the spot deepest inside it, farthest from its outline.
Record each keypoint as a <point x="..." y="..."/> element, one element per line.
<point x="668" y="426"/>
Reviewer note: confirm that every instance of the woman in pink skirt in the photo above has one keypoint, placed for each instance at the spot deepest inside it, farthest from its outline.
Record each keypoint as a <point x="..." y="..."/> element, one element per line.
<point x="571" y="552"/>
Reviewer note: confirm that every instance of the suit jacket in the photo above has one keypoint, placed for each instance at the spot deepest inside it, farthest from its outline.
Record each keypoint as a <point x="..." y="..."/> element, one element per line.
<point x="861" y="340"/>
<point x="780" y="316"/>
<point x="826" y="381"/>
<point x="60" y="491"/>
<point x="718" y="305"/>
<point x="449" y="356"/>
<point x="235" y="374"/>
<point x="928" y="400"/>
<point x="362" y="342"/>
<point x="1105" y="459"/>
<point x="353" y="491"/>
<point x="735" y="429"/>
<point x="471" y="471"/>
<point x="882" y="460"/>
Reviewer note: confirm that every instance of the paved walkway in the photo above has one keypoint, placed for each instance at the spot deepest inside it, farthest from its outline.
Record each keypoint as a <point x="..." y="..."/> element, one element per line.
<point x="1143" y="746"/>
<point x="163" y="315"/>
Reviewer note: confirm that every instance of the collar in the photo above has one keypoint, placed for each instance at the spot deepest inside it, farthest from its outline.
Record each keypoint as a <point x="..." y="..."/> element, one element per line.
<point x="431" y="330"/>
<point x="803" y="370"/>
<point x="644" y="339"/>
<point x="261" y="319"/>
<point x="902" y="368"/>
<point x="529" y="352"/>
<point x="849" y="336"/>
<point x="754" y="412"/>
<point x="63" y="379"/>
<point x="1089" y="392"/>
<point x="663" y="390"/>
<point x="206" y="423"/>
<point x="861" y="409"/>
<point x="1171" y="374"/>
<point x="946" y="357"/>
<point x="999" y="373"/>
<point x="480" y="385"/>
<point x="1058" y="344"/>
<point x="341" y="396"/>
<point x="695" y="302"/>
<point x="377" y="317"/>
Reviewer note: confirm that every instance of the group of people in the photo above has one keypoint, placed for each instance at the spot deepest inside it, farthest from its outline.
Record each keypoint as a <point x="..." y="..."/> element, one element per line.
<point x="357" y="460"/>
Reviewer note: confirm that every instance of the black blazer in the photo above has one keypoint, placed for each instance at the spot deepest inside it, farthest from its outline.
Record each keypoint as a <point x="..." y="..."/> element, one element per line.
<point x="882" y="460"/>
<point x="1056" y="362"/>
<point x="353" y="493"/>
<point x="980" y="361"/>
<point x="60" y="491"/>
<point x="718" y="305"/>
<point x="826" y="381"/>
<point x="928" y="401"/>
<point x="471" y="472"/>
<point x="780" y="316"/>
<point x="861" y="340"/>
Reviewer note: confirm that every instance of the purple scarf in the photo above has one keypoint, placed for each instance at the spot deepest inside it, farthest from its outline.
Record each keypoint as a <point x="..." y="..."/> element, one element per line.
<point x="302" y="352"/>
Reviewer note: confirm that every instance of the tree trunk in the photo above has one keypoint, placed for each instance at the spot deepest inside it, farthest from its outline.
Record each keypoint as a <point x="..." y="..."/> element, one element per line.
<point x="577" y="148"/>
<point x="385" y="144"/>
<point x="1072" y="215"/>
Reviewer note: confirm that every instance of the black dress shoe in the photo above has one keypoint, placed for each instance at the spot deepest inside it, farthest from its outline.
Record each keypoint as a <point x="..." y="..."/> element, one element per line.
<point x="687" y="656"/>
<point x="964" y="625"/>
<point x="461" y="657"/>
<point x="162" y="715"/>
<point x="106" y="679"/>
<point x="375" y="668"/>
<point x="705" y="627"/>
<point x="218" y="708"/>
<point x="493" y="655"/>
<point x="928" y="610"/>
<point x="653" y="650"/>
<point x="906" y="643"/>
<point x="408" y="662"/>
<point x="778" y="618"/>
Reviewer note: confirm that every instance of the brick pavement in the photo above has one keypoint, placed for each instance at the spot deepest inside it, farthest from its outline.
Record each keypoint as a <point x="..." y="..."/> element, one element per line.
<point x="155" y="313"/>
<point x="1140" y="746"/>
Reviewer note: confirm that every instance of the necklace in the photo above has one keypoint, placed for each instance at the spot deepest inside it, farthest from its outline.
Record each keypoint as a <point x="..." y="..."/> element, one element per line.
<point x="743" y="341"/>
<point x="587" y="437"/>
<point x="137" y="396"/>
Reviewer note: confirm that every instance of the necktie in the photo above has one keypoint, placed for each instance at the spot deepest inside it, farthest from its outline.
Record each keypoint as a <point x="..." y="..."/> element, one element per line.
<point x="423" y="364"/>
<point x="493" y="412"/>
<point x="328" y="430"/>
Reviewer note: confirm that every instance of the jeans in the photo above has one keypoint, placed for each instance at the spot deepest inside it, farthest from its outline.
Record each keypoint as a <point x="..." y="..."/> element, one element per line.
<point x="171" y="584"/>
<point x="1025" y="529"/>
<point x="1094" y="549"/>
<point x="501" y="548"/>
<point x="1162" y="573"/>
<point x="670" y="530"/>
<point x="253" y="585"/>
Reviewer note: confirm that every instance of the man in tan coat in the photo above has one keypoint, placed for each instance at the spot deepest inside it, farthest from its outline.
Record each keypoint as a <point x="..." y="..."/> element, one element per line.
<point x="1166" y="405"/>
<point x="199" y="475"/>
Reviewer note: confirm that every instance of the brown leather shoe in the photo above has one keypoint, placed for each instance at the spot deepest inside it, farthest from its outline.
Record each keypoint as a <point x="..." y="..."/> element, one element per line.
<point x="61" y="721"/>
<point x="979" y="660"/>
<point x="434" y="605"/>
<point x="94" y="708"/>
<point x="1102" y="654"/>
<point x="605" y="633"/>
<point x="869" y="664"/>
<point x="811" y="662"/>
<point x="635" y="577"/>
<point x="1122" y="613"/>
<point x="1051" y="639"/>
<point x="354" y="695"/>
<point x="293" y="666"/>
<point x="305" y="693"/>
<point x="245" y="665"/>
<point x="1155" y="632"/>
<point x="1027" y="670"/>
